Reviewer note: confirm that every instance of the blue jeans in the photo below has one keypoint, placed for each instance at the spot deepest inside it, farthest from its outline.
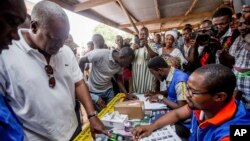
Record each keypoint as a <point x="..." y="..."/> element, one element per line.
<point x="107" y="96"/>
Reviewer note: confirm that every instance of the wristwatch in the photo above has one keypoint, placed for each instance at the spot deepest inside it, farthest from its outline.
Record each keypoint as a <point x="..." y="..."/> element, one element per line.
<point x="160" y="98"/>
<point x="92" y="115"/>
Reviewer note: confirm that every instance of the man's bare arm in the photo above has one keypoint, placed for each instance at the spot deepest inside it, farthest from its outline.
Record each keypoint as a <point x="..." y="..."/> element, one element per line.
<point x="82" y="63"/>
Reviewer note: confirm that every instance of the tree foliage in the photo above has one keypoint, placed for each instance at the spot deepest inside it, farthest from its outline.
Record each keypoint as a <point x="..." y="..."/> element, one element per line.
<point x="109" y="34"/>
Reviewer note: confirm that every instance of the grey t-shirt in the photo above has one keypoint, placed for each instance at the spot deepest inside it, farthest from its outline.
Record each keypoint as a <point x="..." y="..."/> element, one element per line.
<point x="103" y="69"/>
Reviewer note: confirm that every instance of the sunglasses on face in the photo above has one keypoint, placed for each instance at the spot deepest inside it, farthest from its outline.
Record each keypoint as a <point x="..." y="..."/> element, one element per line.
<point x="50" y="73"/>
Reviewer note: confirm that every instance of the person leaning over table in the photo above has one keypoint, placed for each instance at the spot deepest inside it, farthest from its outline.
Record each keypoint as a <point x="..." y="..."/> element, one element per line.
<point x="211" y="106"/>
<point x="174" y="96"/>
<point x="105" y="64"/>
<point x="175" y="79"/>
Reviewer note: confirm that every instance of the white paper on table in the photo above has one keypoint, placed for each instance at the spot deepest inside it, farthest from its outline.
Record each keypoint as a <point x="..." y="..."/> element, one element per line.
<point x="150" y="106"/>
<point x="165" y="134"/>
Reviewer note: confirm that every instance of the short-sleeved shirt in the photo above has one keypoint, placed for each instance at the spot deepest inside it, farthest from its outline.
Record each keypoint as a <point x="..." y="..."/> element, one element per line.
<point x="103" y="69"/>
<point x="46" y="113"/>
<point x="180" y="87"/>
<point x="175" y="53"/>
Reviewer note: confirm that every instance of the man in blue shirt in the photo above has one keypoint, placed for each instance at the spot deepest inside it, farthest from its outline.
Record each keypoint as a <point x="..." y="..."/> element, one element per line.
<point x="211" y="105"/>
<point x="12" y="14"/>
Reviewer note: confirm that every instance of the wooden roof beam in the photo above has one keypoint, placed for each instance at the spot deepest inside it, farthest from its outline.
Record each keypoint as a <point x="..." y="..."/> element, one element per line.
<point x="157" y="10"/>
<point x="89" y="4"/>
<point x="164" y="20"/>
<point x="194" y="3"/>
<point x="170" y="28"/>
<point x="132" y="16"/>
<point x="127" y="14"/>
<point x="93" y="15"/>
<point x="209" y="16"/>
<point x="97" y="17"/>
<point x="158" y="13"/>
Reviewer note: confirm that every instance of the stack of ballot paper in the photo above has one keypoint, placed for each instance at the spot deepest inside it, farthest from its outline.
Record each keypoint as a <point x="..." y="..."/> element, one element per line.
<point x="164" y="134"/>
<point x="150" y="106"/>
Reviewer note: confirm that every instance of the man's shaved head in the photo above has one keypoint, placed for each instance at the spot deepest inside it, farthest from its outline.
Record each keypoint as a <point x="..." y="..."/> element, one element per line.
<point x="98" y="41"/>
<point x="45" y="11"/>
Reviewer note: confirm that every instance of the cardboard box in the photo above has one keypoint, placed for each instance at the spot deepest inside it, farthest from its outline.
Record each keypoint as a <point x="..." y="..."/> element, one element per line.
<point x="134" y="109"/>
<point x="115" y="120"/>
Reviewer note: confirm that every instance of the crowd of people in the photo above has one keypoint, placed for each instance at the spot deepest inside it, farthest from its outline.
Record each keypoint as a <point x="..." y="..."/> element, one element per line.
<point x="202" y="74"/>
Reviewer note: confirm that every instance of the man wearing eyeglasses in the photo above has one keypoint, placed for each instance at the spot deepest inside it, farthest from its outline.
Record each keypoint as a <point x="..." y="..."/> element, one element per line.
<point x="211" y="106"/>
<point x="46" y="78"/>
<point x="12" y="14"/>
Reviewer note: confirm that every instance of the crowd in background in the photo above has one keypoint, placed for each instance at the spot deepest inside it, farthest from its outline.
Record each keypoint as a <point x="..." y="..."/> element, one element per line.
<point x="219" y="40"/>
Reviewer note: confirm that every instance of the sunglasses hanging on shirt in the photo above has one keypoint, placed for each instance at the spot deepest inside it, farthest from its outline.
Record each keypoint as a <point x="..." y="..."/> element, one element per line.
<point x="50" y="73"/>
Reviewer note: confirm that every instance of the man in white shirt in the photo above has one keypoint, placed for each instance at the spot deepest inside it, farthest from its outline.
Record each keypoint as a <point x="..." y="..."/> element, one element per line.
<point x="45" y="78"/>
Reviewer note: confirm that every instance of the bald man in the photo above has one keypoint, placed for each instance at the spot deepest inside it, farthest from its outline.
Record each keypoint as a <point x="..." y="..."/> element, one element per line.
<point x="98" y="41"/>
<point x="46" y="78"/>
<point x="12" y="14"/>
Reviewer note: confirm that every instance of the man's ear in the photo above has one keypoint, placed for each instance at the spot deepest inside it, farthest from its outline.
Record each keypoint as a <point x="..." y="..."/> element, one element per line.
<point x="221" y="96"/>
<point x="161" y="69"/>
<point x="34" y="26"/>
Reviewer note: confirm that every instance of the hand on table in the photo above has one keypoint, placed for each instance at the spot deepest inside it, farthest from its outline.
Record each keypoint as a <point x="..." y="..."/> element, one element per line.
<point x="148" y="93"/>
<point x="142" y="131"/>
<point x="101" y="103"/>
<point x="153" y="98"/>
<point x="130" y="96"/>
<point x="97" y="127"/>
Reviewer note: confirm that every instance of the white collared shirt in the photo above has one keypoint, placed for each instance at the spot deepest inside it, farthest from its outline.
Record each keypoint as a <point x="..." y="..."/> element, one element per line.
<point x="46" y="113"/>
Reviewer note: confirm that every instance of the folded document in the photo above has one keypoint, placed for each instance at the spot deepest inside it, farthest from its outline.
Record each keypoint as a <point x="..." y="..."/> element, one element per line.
<point x="150" y="106"/>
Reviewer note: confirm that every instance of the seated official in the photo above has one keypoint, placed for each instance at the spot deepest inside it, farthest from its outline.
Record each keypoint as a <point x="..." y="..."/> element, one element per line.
<point x="174" y="96"/>
<point x="175" y="80"/>
<point x="211" y="106"/>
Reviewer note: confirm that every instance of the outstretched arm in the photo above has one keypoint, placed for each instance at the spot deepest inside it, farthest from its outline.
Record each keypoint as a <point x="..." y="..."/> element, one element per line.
<point x="83" y="95"/>
<point x="169" y="118"/>
<point x="151" y="53"/>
